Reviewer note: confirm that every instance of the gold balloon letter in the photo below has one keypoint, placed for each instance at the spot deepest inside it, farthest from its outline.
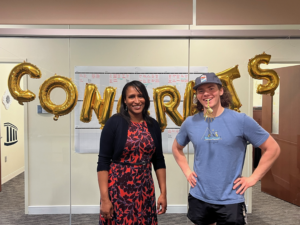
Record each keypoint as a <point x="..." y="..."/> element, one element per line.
<point x="14" y="81"/>
<point x="257" y="73"/>
<point x="119" y="105"/>
<point x="92" y="101"/>
<point x="170" y="107"/>
<point x="189" y="108"/>
<point x="71" y="95"/>
<point x="226" y="77"/>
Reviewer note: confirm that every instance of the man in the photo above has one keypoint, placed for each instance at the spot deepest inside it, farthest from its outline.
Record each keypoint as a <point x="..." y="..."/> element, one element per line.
<point x="219" y="136"/>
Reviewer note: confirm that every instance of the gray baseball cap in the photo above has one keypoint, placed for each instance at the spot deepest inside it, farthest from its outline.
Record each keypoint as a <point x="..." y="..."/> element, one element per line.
<point x="206" y="78"/>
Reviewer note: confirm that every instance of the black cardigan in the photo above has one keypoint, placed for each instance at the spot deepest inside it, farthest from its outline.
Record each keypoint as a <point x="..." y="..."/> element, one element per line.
<point x="114" y="137"/>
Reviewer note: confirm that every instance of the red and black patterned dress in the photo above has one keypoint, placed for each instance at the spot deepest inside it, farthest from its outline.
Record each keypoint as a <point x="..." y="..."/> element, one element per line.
<point x="131" y="187"/>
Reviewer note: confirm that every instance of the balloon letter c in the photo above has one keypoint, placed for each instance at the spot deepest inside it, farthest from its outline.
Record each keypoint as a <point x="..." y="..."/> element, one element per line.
<point x="14" y="81"/>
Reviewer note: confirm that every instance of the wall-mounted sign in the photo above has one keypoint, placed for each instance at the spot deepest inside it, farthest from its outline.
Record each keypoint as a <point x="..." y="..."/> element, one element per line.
<point x="7" y="99"/>
<point x="40" y="110"/>
<point x="11" y="134"/>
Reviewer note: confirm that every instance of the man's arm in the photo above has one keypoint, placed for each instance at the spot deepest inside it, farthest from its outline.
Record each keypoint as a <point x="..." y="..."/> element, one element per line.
<point x="270" y="150"/>
<point x="180" y="158"/>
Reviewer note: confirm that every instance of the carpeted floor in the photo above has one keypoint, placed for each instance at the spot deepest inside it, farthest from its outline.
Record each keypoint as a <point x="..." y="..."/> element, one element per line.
<point x="267" y="210"/>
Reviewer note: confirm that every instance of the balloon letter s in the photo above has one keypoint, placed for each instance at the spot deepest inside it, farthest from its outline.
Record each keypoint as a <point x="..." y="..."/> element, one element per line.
<point x="257" y="73"/>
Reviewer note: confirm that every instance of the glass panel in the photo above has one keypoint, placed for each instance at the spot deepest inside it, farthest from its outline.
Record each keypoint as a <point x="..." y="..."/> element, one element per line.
<point x="11" y="149"/>
<point x="47" y="142"/>
<point x="275" y="111"/>
<point x="257" y="98"/>
<point x="114" y="62"/>
<point x="61" y="156"/>
<point x="219" y="55"/>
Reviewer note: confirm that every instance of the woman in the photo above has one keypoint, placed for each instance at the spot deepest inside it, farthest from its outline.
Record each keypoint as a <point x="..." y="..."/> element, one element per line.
<point x="130" y="142"/>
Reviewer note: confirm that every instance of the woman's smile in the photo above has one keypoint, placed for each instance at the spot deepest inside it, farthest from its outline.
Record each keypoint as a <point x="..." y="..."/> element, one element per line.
<point x="134" y="101"/>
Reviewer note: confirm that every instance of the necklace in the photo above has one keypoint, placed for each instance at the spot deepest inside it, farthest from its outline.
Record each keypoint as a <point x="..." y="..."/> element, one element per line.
<point x="138" y="121"/>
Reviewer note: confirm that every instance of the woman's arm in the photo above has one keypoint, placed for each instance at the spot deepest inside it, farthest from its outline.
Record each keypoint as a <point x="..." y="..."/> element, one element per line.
<point x="106" y="208"/>
<point x="159" y="165"/>
<point x="158" y="158"/>
<point x="162" y="200"/>
<point x="107" y="142"/>
<point x="104" y="160"/>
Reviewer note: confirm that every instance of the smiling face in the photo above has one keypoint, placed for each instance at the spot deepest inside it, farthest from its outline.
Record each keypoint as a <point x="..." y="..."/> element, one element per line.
<point x="135" y="102"/>
<point x="209" y="92"/>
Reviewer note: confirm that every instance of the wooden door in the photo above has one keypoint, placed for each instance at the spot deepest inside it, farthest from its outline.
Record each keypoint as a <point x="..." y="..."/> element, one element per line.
<point x="283" y="180"/>
<point x="0" y="157"/>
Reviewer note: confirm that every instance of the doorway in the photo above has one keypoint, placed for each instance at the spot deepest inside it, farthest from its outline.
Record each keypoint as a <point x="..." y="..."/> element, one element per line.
<point x="280" y="119"/>
<point x="12" y="129"/>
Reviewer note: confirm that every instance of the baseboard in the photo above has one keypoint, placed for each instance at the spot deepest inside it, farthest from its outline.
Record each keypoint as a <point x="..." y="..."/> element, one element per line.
<point x="177" y="209"/>
<point x="86" y="209"/>
<point x="12" y="175"/>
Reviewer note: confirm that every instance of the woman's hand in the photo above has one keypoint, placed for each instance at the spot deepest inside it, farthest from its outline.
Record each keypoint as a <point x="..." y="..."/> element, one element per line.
<point x="191" y="178"/>
<point x="106" y="209"/>
<point x="161" y="204"/>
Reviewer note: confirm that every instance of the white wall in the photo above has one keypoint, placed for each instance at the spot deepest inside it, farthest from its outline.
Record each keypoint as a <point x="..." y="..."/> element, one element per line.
<point x="52" y="160"/>
<point x="14" y="115"/>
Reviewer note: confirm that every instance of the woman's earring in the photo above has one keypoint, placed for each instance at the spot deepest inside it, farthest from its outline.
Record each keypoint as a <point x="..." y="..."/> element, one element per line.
<point x="126" y="109"/>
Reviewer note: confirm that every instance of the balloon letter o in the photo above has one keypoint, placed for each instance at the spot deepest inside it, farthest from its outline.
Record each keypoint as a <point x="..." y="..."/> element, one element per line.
<point x="71" y="95"/>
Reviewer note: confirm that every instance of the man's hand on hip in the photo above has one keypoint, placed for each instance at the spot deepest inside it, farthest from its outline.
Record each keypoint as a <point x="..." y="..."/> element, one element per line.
<point x="191" y="178"/>
<point x="243" y="183"/>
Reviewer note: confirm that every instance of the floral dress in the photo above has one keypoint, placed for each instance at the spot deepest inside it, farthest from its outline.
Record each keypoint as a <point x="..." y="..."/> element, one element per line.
<point x="131" y="187"/>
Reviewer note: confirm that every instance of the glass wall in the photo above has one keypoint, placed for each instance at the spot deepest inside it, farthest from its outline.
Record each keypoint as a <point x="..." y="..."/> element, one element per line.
<point x="220" y="55"/>
<point x="114" y="62"/>
<point x="61" y="156"/>
<point x="47" y="142"/>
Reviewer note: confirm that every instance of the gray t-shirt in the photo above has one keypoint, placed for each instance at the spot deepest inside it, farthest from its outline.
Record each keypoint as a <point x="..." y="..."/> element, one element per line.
<point x="220" y="148"/>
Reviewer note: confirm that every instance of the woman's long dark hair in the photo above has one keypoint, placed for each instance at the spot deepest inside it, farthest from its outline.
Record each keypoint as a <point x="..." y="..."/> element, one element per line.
<point x="140" y="87"/>
<point x="226" y="99"/>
